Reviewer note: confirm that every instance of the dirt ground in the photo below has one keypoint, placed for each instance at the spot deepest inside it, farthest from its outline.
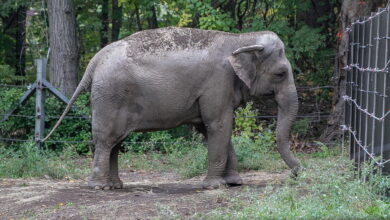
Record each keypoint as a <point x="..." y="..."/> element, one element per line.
<point x="147" y="195"/>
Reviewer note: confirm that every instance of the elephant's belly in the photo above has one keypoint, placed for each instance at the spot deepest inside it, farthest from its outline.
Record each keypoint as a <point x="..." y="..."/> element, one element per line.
<point x="146" y="124"/>
<point x="160" y="116"/>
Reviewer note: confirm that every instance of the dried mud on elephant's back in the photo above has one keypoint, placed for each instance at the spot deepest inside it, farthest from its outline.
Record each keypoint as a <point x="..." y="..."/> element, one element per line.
<point x="168" y="39"/>
<point x="146" y="195"/>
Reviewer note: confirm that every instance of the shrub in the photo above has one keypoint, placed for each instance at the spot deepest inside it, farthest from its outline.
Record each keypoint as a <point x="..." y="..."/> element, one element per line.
<point x="245" y="121"/>
<point x="23" y="127"/>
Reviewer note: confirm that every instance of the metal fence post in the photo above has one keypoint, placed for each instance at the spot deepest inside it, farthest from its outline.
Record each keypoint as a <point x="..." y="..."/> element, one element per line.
<point x="40" y="101"/>
<point x="385" y="146"/>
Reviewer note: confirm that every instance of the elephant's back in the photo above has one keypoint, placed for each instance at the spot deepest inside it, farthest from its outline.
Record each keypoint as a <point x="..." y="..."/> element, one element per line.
<point x="170" y="39"/>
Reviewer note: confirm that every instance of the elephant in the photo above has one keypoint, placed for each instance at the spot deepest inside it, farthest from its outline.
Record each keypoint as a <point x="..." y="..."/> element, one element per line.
<point x="162" y="78"/>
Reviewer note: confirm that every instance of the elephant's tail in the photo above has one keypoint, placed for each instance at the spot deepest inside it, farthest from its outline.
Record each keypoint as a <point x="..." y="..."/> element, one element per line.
<point x="84" y="84"/>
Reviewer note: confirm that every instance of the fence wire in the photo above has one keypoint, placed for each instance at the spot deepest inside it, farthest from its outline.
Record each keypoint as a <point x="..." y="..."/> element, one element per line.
<point x="367" y="105"/>
<point x="317" y="116"/>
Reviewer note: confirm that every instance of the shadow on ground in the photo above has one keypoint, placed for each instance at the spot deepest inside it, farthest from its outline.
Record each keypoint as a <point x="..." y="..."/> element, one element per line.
<point x="146" y="195"/>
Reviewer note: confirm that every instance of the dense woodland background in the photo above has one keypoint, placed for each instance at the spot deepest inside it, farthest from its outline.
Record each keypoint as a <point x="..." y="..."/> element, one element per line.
<point x="74" y="30"/>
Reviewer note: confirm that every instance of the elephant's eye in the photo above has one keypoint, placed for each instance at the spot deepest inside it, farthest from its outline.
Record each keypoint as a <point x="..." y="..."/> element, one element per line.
<point x="280" y="75"/>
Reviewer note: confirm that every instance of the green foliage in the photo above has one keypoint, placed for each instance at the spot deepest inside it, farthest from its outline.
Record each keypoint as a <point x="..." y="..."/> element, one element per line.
<point x="188" y="158"/>
<point x="190" y="161"/>
<point x="213" y="19"/>
<point x="325" y="151"/>
<point x="245" y="121"/>
<point x="23" y="127"/>
<point x="254" y="144"/>
<point x="259" y="153"/>
<point x="377" y="183"/>
<point x="7" y="74"/>
<point x="28" y="161"/>
<point x="163" y="141"/>
<point x="301" y="127"/>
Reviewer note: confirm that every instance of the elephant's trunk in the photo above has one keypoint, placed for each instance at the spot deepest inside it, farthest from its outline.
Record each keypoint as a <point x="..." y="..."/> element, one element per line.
<point x="287" y="100"/>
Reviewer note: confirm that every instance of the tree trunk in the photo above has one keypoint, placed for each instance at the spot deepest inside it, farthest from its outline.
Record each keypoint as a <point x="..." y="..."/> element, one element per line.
<point x="105" y="24"/>
<point x="20" y="41"/>
<point x="64" y="59"/>
<point x="350" y="9"/>
<point x="116" y="20"/>
<point x="242" y="9"/>
<point x="138" y="19"/>
<point x="15" y="27"/>
<point x="152" y="20"/>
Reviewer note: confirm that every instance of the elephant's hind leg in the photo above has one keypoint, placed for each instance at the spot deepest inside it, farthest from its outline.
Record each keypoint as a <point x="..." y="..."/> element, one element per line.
<point x="100" y="176"/>
<point x="108" y="131"/>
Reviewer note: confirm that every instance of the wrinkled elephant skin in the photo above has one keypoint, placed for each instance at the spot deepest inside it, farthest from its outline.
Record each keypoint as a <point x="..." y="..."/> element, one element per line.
<point x="162" y="78"/>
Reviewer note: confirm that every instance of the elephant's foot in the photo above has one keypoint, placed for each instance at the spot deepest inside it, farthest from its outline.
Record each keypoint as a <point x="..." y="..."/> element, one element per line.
<point x="100" y="184"/>
<point x="117" y="183"/>
<point x="213" y="182"/>
<point x="233" y="179"/>
<point x="296" y="171"/>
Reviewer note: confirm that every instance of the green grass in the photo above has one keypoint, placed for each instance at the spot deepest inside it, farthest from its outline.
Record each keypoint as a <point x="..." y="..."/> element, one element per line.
<point x="190" y="160"/>
<point x="327" y="189"/>
<point x="27" y="161"/>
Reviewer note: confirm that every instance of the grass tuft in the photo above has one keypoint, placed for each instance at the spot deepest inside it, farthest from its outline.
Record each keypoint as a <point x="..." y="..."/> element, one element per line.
<point x="28" y="161"/>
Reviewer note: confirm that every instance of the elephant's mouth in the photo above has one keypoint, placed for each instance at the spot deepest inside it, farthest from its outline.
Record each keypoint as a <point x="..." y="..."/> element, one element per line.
<point x="268" y="94"/>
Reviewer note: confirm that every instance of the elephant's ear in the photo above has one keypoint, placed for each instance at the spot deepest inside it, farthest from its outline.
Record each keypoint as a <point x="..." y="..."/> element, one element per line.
<point x="242" y="61"/>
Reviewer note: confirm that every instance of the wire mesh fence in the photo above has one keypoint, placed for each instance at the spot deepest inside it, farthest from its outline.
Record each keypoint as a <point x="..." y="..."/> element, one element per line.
<point x="316" y="116"/>
<point x="367" y="103"/>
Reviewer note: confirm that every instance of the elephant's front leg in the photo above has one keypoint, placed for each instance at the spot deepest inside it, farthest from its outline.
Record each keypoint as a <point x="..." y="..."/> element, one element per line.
<point x="231" y="175"/>
<point x="218" y="138"/>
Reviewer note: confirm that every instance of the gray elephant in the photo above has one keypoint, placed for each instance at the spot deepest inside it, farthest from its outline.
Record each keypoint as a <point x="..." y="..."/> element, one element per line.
<point x="162" y="78"/>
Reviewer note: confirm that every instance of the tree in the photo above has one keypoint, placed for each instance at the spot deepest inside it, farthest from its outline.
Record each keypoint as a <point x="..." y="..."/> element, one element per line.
<point x="15" y="28"/>
<point x="152" y="18"/>
<point x="64" y="59"/>
<point x="116" y="20"/>
<point x="105" y="24"/>
<point x="137" y="17"/>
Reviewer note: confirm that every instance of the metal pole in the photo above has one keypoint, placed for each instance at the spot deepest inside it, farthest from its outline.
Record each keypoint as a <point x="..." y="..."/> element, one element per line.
<point x="374" y="65"/>
<point x="361" y="93"/>
<point x="384" y="110"/>
<point x="354" y="51"/>
<point x="376" y="102"/>
<point x="40" y="101"/>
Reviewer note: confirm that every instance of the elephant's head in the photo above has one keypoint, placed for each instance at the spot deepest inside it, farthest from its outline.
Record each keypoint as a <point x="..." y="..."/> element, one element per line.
<point x="264" y="69"/>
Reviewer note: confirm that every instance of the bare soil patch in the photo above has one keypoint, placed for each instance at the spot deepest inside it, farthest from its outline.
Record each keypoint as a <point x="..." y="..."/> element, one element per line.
<point x="147" y="195"/>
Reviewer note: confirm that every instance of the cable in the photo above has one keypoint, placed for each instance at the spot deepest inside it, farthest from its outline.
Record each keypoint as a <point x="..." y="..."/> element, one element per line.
<point x="349" y="99"/>
<point x="381" y="163"/>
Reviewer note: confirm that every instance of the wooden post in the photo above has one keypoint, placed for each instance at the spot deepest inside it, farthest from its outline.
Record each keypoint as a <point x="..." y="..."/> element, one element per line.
<point x="40" y="101"/>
